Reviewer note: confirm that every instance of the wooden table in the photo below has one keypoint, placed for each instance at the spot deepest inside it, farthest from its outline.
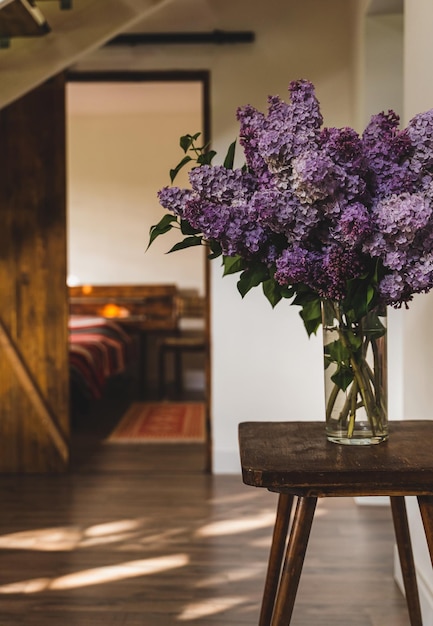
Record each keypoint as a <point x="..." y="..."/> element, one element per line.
<point x="294" y="459"/>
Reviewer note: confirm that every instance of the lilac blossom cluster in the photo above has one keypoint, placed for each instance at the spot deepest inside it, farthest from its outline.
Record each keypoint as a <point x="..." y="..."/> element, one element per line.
<point x="321" y="206"/>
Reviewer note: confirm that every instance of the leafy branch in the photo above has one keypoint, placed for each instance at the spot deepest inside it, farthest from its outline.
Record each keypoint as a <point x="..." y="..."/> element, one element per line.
<point x="202" y="155"/>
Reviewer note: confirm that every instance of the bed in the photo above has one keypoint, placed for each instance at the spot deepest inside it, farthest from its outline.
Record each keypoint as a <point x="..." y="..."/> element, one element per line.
<point x="108" y="329"/>
<point x="99" y="349"/>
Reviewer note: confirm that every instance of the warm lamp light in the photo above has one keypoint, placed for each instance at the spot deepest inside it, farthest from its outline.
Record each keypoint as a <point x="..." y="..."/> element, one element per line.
<point x="112" y="310"/>
<point x="87" y="289"/>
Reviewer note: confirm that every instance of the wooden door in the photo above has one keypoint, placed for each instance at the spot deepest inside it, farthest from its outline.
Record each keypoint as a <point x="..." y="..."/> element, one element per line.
<point x="34" y="373"/>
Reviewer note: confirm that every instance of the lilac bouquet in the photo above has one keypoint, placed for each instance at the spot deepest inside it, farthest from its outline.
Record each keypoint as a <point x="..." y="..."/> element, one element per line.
<point x="316" y="214"/>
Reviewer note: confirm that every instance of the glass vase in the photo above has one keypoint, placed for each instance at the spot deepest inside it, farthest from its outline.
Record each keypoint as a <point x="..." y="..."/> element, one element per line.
<point x="355" y="361"/>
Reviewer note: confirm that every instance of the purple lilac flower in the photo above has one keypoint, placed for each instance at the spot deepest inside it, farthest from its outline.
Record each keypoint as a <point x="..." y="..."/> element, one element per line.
<point x="323" y="206"/>
<point x="296" y="265"/>
<point x="325" y="272"/>
<point x="420" y="133"/>
<point x="344" y="148"/>
<point x="276" y="139"/>
<point x="251" y="127"/>
<point x="306" y="118"/>
<point x="174" y="199"/>
<point x="392" y="289"/>
<point x="354" y="225"/>
<point x="398" y="221"/>
<point x="275" y="209"/>
<point x="398" y="287"/>
<point x="218" y="184"/>
<point x="339" y="265"/>
<point x="289" y="129"/>
<point x="386" y="150"/>
<point x="243" y="237"/>
<point x="307" y="222"/>
<point x="313" y="176"/>
<point x="209" y="218"/>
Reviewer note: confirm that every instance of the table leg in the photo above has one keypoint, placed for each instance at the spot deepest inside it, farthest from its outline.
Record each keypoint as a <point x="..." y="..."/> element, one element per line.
<point x="284" y="508"/>
<point x="404" y="544"/>
<point x="292" y="568"/>
<point x="426" y="508"/>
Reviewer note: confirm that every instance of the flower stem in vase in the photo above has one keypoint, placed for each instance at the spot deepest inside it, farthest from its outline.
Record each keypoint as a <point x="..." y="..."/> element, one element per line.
<point x="355" y="384"/>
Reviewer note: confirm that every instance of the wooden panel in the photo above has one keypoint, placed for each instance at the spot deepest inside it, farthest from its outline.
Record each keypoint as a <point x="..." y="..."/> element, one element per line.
<point x="34" y="374"/>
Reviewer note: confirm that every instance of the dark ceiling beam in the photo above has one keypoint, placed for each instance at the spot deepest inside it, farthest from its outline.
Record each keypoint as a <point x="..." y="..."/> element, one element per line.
<point x="218" y="37"/>
<point x="21" y="18"/>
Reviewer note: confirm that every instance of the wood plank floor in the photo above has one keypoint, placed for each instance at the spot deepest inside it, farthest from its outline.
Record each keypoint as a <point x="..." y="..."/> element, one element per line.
<point x="126" y="539"/>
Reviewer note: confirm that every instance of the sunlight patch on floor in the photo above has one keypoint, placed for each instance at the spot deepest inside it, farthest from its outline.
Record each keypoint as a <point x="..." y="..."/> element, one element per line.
<point x="67" y="538"/>
<point x="233" y="575"/>
<point x="112" y="528"/>
<point x="44" y="539"/>
<point x="237" y="526"/>
<point x="198" y="610"/>
<point x="98" y="575"/>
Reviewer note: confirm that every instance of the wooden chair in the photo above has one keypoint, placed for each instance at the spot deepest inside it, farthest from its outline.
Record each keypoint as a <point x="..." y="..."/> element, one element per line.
<point x="190" y="337"/>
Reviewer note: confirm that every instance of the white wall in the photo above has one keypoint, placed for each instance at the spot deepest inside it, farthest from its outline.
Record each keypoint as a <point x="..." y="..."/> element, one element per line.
<point x="417" y="328"/>
<point x="263" y="365"/>
<point x="381" y="89"/>
<point x="122" y="141"/>
<point x="383" y="64"/>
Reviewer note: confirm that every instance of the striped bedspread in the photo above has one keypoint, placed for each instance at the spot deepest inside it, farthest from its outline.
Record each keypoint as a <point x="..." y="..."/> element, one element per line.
<point x="98" y="349"/>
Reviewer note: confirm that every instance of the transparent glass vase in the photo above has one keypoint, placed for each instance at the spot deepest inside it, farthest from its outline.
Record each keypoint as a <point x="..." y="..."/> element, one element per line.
<point x="355" y="361"/>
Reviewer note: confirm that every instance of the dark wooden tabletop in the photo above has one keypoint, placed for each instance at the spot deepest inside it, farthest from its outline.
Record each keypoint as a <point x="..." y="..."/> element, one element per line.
<point x="295" y="457"/>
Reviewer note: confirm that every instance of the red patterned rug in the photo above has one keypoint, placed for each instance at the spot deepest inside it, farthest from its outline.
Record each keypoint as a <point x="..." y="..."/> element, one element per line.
<point x="161" y="422"/>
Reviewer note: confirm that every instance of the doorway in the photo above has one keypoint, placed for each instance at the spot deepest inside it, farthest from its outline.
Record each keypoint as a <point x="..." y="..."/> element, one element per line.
<point x="123" y="134"/>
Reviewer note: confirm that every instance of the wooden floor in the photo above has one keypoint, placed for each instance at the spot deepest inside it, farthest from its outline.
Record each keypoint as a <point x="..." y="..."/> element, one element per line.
<point x="121" y="541"/>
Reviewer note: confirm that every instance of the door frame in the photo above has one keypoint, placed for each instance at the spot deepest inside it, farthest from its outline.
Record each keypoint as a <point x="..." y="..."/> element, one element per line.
<point x="203" y="77"/>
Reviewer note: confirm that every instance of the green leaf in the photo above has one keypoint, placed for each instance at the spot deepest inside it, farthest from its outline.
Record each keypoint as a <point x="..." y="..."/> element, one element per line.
<point x="187" y="229"/>
<point x="233" y="264"/>
<point x="304" y="295"/>
<point x="188" y="242"/>
<point x="163" y="226"/>
<point x="311" y="326"/>
<point x="252" y="277"/>
<point x="354" y="340"/>
<point x="287" y="292"/>
<point x="360" y="295"/>
<point x="311" y="312"/>
<point x="336" y="352"/>
<point x="343" y="377"/>
<point x="186" y="141"/>
<point x="174" y="172"/>
<point x="230" y="156"/>
<point x="206" y="157"/>
<point x="272" y="291"/>
<point x="215" y="249"/>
